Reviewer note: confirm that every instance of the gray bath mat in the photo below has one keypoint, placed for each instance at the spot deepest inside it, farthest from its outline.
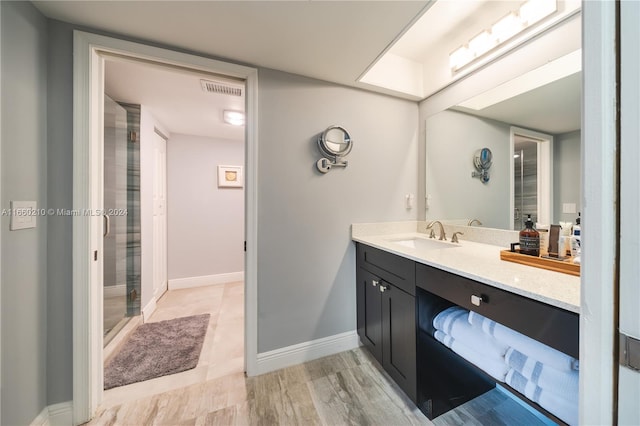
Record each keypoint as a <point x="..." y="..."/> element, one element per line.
<point x="157" y="349"/>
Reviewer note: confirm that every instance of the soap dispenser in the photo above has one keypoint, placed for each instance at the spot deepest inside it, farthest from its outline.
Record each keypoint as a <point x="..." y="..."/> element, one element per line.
<point x="529" y="239"/>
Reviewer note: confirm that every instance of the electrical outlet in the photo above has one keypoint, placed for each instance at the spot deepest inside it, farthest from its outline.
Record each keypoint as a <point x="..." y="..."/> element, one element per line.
<point x="568" y="207"/>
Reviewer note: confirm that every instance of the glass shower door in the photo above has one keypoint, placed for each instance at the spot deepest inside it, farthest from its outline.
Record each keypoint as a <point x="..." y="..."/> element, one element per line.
<point x="115" y="221"/>
<point x="525" y="160"/>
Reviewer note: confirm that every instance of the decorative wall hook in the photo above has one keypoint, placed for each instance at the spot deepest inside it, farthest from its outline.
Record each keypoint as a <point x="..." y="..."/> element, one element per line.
<point x="334" y="143"/>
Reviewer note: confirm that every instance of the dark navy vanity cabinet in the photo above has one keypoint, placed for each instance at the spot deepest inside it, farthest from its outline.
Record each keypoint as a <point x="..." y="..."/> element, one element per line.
<point x="397" y="300"/>
<point x="386" y="309"/>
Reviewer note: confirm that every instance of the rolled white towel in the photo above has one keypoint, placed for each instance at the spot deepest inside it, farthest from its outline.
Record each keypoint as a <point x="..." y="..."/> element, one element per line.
<point x="560" y="407"/>
<point x="454" y="322"/>
<point x="564" y="383"/>
<point x="444" y="319"/>
<point x="494" y="366"/>
<point x="476" y="319"/>
<point x="526" y="345"/>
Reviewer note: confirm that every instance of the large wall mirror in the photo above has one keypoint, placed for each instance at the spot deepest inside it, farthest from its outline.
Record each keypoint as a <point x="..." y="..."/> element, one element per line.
<point x="532" y="126"/>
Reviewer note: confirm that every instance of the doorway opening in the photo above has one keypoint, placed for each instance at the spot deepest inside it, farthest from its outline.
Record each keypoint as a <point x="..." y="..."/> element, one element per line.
<point x="185" y="228"/>
<point x="531" y="177"/>
<point x="90" y="55"/>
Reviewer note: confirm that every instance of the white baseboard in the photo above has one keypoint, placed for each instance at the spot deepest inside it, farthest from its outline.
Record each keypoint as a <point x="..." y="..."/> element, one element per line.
<point x="61" y="414"/>
<point x="42" y="419"/>
<point x="148" y="309"/>
<point x="190" y="282"/>
<point x="55" y="415"/>
<point x="307" y="351"/>
<point x="115" y="290"/>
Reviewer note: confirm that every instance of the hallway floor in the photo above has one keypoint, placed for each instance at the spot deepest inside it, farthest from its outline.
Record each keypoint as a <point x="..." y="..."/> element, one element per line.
<point x="223" y="348"/>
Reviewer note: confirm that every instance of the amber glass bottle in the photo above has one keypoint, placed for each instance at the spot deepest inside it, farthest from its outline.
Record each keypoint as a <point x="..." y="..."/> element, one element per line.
<point x="529" y="239"/>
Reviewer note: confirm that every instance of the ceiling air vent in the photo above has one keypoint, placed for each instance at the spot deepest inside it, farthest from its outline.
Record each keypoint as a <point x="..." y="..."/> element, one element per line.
<point x="221" y="88"/>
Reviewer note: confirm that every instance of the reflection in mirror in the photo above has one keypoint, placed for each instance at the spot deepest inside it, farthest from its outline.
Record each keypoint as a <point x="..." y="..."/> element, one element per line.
<point x="336" y="141"/>
<point x="525" y="164"/>
<point x="454" y="135"/>
<point x="531" y="188"/>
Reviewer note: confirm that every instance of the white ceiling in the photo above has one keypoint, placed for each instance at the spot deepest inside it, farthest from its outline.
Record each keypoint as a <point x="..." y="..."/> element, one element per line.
<point x="175" y="98"/>
<point x="330" y="40"/>
<point x="334" y="41"/>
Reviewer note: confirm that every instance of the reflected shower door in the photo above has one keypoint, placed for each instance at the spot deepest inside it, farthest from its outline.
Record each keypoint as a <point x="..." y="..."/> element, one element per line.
<point x="525" y="160"/>
<point x="115" y="223"/>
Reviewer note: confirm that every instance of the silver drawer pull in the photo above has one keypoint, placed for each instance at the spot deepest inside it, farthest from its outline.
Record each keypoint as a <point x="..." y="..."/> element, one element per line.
<point x="476" y="300"/>
<point x="383" y="289"/>
<point x="374" y="283"/>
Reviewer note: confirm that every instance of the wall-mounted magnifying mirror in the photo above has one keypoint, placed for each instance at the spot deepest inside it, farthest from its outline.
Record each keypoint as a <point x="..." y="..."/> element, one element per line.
<point x="482" y="161"/>
<point x="335" y="143"/>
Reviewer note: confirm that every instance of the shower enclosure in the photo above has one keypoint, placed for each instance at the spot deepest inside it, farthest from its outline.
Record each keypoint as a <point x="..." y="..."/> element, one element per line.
<point x="121" y="246"/>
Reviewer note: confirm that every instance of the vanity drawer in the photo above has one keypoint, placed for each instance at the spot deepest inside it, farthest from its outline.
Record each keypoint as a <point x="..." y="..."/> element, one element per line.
<point x="394" y="269"/>
<point x="552" y="326"/>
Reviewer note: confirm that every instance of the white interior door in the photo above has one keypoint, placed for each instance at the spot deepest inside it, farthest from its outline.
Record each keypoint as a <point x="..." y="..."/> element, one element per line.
<point x="159" y="215"/>
<point x="629" y="327"/>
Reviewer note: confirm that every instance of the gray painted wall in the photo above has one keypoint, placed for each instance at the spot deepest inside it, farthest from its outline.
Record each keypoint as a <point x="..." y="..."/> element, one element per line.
<point x="306" y="266"/>
<point x="60" y="195"/>
<point x="566" y="175"/>
<point x="24" y="177"/>
<point x="452" y="138"/>
<point x="205" y="223"/>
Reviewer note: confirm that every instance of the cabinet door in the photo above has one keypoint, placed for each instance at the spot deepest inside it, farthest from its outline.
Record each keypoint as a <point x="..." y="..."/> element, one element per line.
<point x="369" y="312"/>
<point x="399" y="336"/>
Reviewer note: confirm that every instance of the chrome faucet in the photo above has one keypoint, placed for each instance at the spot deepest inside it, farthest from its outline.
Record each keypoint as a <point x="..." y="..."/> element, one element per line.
<point x="443" y="236"/>
<point x="474" y="220"/>
<point x="454" y="239"/>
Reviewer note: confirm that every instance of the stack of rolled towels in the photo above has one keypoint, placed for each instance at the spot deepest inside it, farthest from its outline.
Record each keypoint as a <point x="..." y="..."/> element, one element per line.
<point x="541" y="373"/>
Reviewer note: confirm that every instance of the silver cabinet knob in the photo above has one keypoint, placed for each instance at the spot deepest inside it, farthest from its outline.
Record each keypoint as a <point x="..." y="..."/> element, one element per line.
<point x="383" y="288"/>
<point x="374" y="283"/>
<point x="476" y="300"/>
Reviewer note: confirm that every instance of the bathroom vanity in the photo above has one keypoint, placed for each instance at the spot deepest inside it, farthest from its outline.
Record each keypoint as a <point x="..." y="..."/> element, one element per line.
<point x="404" y="279"/>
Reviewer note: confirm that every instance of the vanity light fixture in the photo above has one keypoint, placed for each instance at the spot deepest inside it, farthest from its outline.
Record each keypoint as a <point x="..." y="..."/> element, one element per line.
<point x="235" y="118"/>
<point x="530" y="13"/>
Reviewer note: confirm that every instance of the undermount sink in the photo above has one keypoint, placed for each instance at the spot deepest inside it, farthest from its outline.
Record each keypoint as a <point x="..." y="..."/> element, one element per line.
<point x="423" y="243"/>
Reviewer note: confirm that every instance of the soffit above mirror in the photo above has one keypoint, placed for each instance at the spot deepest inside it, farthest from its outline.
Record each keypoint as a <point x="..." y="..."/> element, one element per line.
<point x="418" y="63"/>
<point x="547" y="99"/>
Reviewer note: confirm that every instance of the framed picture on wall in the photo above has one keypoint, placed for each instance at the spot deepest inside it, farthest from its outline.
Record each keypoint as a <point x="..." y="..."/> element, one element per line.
<point x="230" y="177"/>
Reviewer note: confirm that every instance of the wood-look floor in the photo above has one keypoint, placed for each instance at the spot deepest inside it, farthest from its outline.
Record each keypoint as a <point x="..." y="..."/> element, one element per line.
<point x="342" y="389"/>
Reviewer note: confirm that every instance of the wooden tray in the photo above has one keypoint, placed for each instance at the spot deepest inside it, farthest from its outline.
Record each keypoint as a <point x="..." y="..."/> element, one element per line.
<point x="564" y="266"/>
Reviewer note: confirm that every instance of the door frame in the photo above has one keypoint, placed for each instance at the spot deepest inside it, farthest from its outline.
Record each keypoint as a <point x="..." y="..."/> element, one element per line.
<point x="163" y="265"/>
<point x="628" y="411"/>
<point x="598" y="277"/>
<point x="545" y="173"/>
<point x="88" y="76"/>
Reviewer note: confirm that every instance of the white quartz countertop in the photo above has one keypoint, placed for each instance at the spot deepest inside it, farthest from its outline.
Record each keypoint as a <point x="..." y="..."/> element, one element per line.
<point x="481" y="262"/>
